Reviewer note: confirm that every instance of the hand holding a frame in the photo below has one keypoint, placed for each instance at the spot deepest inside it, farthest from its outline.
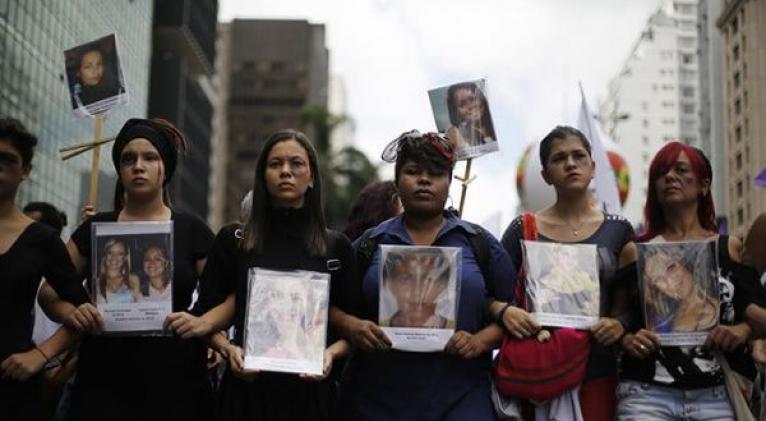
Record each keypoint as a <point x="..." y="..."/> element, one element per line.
<point x="607" y="330"/>
<point x="367" y="336"/>
<point x="640" y="344"/>
<point x="85" y="318"/>
<point x="728" y="338"/>
<point x="237" y="363"/>
<point x="516" y="320"/>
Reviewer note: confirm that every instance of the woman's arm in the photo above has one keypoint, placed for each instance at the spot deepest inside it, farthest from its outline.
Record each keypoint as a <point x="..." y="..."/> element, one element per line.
<point x="23" y="365"/>
<point x="218" y="318"/>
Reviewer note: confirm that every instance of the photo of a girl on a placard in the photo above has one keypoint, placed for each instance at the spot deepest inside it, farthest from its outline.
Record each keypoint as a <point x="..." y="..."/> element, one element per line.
<point x="462" y="112"/>
<point x="116" y="283"/>
<point x="94" y="76"/>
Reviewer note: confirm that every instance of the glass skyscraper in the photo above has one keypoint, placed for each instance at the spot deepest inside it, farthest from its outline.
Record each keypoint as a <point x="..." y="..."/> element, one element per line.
<point x="33" y="88"/>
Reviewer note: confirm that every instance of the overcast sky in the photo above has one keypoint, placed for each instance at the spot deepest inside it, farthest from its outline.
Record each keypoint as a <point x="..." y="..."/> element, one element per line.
<point x="533" y="52"/>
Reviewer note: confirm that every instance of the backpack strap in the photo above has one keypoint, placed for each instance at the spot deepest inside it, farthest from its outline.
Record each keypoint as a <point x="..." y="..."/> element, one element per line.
<point x="366" y="249"/>
<point x="483" y="253"/>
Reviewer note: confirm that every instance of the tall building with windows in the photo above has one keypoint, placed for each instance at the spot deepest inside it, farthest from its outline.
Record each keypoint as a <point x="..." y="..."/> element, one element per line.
<point x="654" y="98"/>
<point x="182" y="89"/>
<point x="711" y="112"/>
<point x="33" y="88"/>
<point x="276" y="68"/>
<point x="743" y="26"/>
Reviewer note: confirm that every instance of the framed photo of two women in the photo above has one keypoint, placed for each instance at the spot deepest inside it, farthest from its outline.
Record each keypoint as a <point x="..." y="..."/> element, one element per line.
<point x="132" y="281"/>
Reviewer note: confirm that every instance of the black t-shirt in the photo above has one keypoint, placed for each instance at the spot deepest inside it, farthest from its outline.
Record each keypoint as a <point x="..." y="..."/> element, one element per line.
<point x="37" y="253"/>
<point x="226" y="271"/>
<point x="695" y="367"/>
<point x="610" y="238"/>
<point x="127" y="361"/>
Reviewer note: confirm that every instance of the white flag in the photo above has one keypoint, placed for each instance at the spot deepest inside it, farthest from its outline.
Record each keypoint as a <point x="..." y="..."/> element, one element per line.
<point x="604" y="183"/>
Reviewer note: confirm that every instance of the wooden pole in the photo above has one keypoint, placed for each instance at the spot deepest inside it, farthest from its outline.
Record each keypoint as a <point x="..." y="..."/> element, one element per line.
<point x="465" y="180"/>
<point x="94" y="167"/>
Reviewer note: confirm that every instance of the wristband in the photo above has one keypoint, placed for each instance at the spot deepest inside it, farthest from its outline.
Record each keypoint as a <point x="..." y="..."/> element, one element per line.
<point x="502" y="312"/>
<point x="42" y="353"/>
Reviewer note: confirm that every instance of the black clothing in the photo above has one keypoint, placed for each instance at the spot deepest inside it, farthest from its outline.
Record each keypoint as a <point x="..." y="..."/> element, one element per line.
<point x="141" y="377"/>
<point x="695" y="367"/>
<point x="610" y="238"/>
<point x="273" y="396"/>
<point x="37" y="253"/>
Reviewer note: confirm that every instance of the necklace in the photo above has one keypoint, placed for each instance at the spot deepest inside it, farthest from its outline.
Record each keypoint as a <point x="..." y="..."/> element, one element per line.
<point x="575" y="228"/>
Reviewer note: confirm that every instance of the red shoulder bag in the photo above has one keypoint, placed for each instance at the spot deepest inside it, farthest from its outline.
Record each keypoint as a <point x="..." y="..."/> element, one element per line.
<point x="530" y="369"/>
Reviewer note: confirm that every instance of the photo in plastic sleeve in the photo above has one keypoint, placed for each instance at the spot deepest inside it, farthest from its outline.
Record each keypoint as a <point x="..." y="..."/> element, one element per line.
<point x="562" y="283"/>
<point x="680" y="290"/>
<point x="418" y="297"/>
<point x="286" y="321"/>
<point x="94" y="77"/>
<point x="462" y="113"/>
<point x="132" y="281"/>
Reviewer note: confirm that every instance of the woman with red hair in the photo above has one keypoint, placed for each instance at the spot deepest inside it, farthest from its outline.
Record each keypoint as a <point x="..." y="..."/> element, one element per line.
<point x="673" y="382"/>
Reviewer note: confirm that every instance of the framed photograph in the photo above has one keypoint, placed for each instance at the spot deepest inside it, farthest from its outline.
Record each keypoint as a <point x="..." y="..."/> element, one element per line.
<point x="562" y="287"/>
<point x="462" y="113"/>
<point x="680" y="290"/>
<point x="419" y="294"/>
<point x="132" y="281"/>
<point x="94" y="77"/>
<point x="286" y="320"/>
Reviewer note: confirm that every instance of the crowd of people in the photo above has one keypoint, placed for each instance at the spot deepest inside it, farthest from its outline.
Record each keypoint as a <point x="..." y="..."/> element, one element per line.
<point x="198" y="371"/>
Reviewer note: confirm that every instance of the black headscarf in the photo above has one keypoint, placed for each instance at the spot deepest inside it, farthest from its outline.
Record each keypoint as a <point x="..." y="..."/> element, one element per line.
<point x="153" y="132"/>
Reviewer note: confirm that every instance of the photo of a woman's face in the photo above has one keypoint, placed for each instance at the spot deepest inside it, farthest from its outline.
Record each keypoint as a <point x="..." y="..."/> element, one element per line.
<point x="669" y="277"/>
<point x="91" y="68"/>
<point x="115" y="257"/>
<point x="155" y="262"/>
<point x="417" y="281"/>
<point x="469" y="105"/>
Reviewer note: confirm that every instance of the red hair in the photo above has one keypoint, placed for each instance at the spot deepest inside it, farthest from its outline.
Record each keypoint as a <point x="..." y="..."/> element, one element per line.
<point x="661" y="164"/>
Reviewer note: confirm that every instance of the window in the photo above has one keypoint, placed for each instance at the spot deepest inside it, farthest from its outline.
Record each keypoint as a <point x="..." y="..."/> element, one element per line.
<point x="738" y="160"/>
<point x="644" y="105"/>
<point x="686" y="42"/>
<point x="734" y="26"/>
<point x="645" y="123"/>
<point x="735" y="53"/>
<point x="645" y="140"/>
<point x="687" y="92"/>
<point x="737" y="106"/>
<point x="688" y="108"/>
<point x="666" y="55"/>
<point x="738" y="133"/>
<point x="668" y="104"/>
<point x="687" y="58"/>
<point x="740" y="216"/>
<point x="739" y="189"/>
<point x="736" y="79"/>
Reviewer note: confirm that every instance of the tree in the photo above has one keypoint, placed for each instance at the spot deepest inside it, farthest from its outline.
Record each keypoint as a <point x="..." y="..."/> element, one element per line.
<point x="344" y="173"/>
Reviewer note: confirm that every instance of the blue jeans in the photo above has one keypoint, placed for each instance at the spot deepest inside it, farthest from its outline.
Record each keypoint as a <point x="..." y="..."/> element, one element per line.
<point x="644" y="401"/>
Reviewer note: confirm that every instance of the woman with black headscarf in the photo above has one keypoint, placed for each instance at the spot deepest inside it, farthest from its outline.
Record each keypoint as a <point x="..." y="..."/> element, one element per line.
<point x="138" y="378"/>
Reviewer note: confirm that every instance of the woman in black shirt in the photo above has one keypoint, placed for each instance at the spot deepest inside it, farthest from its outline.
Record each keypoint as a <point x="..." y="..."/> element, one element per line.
<point x="135" y="377"/>
<point x="284" y="231"/>
<point x="29" y="251"/>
